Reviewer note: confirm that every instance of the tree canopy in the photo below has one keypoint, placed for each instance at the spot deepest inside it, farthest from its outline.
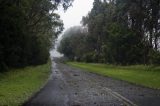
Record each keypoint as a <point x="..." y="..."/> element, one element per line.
<point x="122" y="32"/>
<point x="27" y="28"/>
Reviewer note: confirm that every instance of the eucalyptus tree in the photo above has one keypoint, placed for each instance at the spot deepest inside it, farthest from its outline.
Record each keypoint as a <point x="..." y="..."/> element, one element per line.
<point x="124" y="31"/>
<point x="73" y="44"/>
<point x="27" y="28"/>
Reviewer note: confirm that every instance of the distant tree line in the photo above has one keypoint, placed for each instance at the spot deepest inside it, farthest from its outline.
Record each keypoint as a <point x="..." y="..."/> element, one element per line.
<point x="117" y="32"/>
<point x="73" y="43"/>
<point x="27" y="28"/>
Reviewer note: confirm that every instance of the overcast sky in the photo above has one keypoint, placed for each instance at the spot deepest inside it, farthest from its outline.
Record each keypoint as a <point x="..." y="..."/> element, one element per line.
<point x="72" y="17"/>
<point x="74" y="14"/>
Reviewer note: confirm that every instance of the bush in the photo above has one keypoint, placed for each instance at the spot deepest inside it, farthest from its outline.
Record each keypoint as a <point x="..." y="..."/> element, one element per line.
<point x="154" y="57"/>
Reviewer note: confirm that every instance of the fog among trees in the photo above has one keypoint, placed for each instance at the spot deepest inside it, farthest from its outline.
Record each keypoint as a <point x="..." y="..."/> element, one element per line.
<point x="116" y="32"/>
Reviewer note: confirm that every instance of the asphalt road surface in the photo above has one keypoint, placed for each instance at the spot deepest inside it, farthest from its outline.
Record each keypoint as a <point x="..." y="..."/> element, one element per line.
<point x="68" y="86"/>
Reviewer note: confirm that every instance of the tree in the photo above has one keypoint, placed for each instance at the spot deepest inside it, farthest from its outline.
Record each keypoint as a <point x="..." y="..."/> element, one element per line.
<point x="120" y="32"/>
<point x="73" y="43"/>
<point x="27" y="29"/>
<point x="123" y="31"/>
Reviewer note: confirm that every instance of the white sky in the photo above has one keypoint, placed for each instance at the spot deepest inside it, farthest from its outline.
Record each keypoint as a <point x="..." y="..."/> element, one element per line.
<point x="73" y="15"/>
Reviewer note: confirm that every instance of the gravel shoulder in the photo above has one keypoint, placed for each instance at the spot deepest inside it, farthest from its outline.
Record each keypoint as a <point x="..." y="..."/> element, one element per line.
<point x="68" y="86"/>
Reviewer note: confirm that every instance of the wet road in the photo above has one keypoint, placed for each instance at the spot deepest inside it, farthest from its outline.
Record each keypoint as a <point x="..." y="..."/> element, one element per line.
<point x="69" y="86"/>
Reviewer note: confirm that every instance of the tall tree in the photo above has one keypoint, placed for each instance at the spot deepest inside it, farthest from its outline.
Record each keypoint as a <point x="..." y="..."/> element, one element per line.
<point x="27" y="28"/>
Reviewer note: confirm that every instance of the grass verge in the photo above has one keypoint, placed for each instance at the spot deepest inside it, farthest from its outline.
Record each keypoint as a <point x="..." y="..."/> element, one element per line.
<point x="147" y="76"/>
<point x="17" y="85"/>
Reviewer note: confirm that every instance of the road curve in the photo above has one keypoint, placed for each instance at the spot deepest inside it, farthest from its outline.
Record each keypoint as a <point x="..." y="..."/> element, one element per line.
<point x="69" y="86"/>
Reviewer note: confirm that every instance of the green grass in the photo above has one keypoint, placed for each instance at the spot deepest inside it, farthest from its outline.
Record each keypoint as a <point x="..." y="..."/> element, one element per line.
<point x="148" y="76"/>
<point x="17" y="85"/>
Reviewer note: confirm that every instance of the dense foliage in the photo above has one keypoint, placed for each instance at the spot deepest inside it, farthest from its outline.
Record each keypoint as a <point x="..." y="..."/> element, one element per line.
<point x="120" y="32"/>
<point x="26" y="30"/>
<point x="72" y="45"/>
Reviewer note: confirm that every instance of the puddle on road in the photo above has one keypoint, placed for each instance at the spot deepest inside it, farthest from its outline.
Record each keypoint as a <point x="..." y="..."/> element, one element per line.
<point x="76" y="75"/>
